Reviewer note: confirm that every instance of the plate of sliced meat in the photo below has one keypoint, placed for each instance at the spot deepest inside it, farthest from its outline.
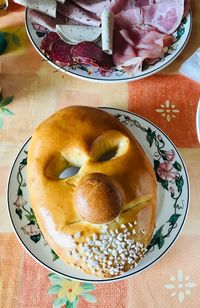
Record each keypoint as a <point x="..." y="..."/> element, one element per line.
<point x="110" y="41"/>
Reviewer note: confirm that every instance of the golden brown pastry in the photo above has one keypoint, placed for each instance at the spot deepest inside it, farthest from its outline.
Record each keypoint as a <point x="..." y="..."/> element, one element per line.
<point x="101" y="219"/>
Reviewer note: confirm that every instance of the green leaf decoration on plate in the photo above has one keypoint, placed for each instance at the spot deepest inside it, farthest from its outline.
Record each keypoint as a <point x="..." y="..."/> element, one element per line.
<point x="177" y="166"/>
<point x="161" y="242"/>
<point x="180" y="32"/>
<point x="55" y="256"/>
<point x="179" y="183"/>
<point x="35" y="238"/>
<point x="164" y="183"/>
<point x="19" y="213"/>
<point x="167" y="173"/>
<point x="23" y="209"/>
<point x="173" y="219"/>
<point x="150" y="136"/>
<point x="40" y="34"/>
<point x="24" y="162"/>
<point x="69" y="291"/>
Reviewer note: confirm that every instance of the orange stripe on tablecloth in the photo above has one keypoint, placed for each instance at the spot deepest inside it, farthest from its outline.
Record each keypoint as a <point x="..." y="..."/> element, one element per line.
<point x="34" y="285"/>
<point x="161" y="284"/>
<point x="110" y="295"/>
<point x="11" y="259"/>
<point x="170" y="101"/>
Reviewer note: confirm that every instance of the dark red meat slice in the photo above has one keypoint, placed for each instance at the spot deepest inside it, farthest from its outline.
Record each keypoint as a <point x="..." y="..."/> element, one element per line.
<point x="91" y="53"/>
<point x="60" y="53"/>
<point x="48" y="41"/>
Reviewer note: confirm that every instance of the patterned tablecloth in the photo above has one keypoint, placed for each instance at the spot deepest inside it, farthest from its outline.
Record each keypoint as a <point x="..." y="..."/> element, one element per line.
<point x="168" y="99"/>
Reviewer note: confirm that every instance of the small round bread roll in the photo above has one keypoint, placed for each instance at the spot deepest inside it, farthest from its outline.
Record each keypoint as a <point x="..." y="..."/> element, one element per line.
<point x="98" y="198"/>
<point x="101" y="219"/>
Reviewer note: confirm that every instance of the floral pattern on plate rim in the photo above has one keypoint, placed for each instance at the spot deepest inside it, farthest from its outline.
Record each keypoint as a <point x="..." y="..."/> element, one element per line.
<point x="168" y="174"/>
<point x="96" y="73"/>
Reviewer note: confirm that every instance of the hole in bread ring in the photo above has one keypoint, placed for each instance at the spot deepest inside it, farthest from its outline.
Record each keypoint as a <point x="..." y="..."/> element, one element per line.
<point x="65" y="163"/>
<point x="109" y="145"/>
<point x="69" y="172"/>
<point x="59" y="168"/>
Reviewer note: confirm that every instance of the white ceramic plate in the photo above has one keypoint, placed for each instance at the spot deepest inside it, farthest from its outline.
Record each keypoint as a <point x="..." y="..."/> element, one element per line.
<point x="172" y="205"/>
<point x="90" y="73"/>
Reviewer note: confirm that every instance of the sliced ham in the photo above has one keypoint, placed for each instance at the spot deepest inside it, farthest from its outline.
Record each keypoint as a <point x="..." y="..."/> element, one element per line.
<point x="129" y="18"/>
<point x="125" y="57"/>
<point x="165" y="16"/>
<point x="148" y="42"/>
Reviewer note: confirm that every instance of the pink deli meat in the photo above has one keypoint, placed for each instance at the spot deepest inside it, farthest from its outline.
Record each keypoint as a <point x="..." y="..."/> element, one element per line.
<point x="165" y="16"/>
<point x="143" y="30"/>
<point x="147" y="41"/>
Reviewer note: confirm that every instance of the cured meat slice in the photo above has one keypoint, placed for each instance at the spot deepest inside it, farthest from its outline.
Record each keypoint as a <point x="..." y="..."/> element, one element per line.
<point x="72" y="11"/>
<point x="165" y="16"/>
<point x="48" y="42"/>
<point x="60" y="53"/>
<point x="91" y="53"/>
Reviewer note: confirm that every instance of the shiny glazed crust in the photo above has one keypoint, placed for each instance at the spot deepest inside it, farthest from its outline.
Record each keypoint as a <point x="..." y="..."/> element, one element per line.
<point x="79" y="136"/>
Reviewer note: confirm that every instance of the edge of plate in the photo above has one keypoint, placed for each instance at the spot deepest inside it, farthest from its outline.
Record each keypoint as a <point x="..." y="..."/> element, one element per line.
<point x="198" y="121"/>
<point x="118" y="278"/>
<point x="97" y="80"/>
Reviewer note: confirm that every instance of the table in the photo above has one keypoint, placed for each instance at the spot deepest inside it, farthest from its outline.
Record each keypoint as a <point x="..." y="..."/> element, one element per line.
<point x="38" y="91"/>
